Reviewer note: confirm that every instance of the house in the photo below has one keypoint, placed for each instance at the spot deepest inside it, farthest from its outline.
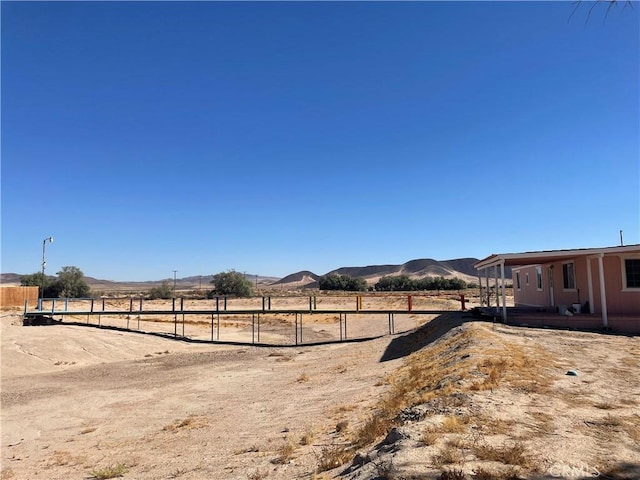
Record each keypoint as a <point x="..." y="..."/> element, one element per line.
<point x="597" y="284"/>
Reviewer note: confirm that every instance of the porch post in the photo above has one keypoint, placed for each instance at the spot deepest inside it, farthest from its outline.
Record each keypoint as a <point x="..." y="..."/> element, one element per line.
<point x="504" y="294"/>
<point x="495" y="274"/>
<point x="592" y="308"/>
<point x="480" y="287"/>
<point x="603" y="295"/>
<point x="486" y="278"/>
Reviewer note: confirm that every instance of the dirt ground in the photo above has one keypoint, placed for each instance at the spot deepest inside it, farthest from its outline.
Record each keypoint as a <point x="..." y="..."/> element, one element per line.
<point x="82" y="403"/>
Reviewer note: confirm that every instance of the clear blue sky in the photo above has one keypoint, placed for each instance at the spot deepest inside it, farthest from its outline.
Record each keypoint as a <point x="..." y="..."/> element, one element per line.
<point x="276" y="137"/>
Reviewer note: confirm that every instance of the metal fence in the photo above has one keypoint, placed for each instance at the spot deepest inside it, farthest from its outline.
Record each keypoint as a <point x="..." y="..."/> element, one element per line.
<point x="267" y="320"/>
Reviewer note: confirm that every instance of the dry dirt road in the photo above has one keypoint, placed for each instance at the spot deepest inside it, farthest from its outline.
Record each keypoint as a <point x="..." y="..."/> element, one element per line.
<point x="77" y="400"/>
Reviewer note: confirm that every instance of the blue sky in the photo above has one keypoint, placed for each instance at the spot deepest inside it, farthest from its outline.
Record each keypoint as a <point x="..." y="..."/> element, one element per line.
<point x="273" y="137"/>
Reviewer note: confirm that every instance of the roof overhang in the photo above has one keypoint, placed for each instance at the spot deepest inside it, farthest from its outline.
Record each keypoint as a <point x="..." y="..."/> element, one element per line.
<point x="542" y="257"/>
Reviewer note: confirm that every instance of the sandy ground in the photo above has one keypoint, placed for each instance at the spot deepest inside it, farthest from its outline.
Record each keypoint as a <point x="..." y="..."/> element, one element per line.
<point x="77" y="401"/>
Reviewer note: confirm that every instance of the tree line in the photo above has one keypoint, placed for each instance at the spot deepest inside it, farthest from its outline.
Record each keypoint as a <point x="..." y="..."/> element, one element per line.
<point x="70" y="283"/>
<point x="390" y="283"/>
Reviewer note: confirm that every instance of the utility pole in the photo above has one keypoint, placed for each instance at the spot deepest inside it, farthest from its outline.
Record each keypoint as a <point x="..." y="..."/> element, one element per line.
<point x="44" y="264"/>
<point x="174" y="283"/>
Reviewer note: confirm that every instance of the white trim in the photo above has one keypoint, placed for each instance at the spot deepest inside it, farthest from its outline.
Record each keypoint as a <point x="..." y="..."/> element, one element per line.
<point x="504" y="294"/>
<point x="552" y="298"/>
<point x="603" y="293"/>
<point x="495" y="259"/>
<point x="623" y="269"/>
<point x="592" y="308"/>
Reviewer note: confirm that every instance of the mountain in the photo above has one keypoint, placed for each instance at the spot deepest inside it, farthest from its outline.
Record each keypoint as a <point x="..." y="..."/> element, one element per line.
<point x="426" y="267"/>
<point x="303" y="279"/>
<point x="456" y="268"/>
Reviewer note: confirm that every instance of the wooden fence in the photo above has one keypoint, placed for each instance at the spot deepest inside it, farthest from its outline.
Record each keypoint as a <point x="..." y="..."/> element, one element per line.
<point x="16" y="296"/>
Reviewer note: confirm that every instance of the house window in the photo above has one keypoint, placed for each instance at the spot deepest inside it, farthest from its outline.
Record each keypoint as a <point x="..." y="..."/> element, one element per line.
<point x="518" y="280"/>
<point x="632" y="272"/>
<point x="526" y="279"/>
<point x="568" y="276"/>
<point x="539" y="278"/>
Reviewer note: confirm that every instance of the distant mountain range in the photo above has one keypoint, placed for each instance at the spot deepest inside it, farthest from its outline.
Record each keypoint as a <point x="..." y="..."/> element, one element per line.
<point x="427" y="267"/>
<point x="457" y="268"/>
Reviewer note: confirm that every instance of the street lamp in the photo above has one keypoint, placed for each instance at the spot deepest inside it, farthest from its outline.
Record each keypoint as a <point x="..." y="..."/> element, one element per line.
<point x="44" y="263"/>
<point x="174" y="283"/>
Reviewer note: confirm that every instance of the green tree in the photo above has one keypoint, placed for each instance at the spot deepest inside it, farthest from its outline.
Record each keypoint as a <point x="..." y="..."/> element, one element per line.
<point x="71" y="283"/>
<point x="395" y="283"/>
<point x="231" y="283"/>
<point x="334" y="281"/>
<point x="163" y="291"/>
<point x="35" y="280"/>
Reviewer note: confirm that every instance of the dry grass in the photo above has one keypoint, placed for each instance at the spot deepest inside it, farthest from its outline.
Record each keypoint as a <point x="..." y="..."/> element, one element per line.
<point x="454" y="424"/>
<point x="61" y="458"/>
<point x="515" y="454"/>
<point x="631" y="425"/>
<point x="302" y="378"/>
<point x="448" y="455"/>
<point x="522" y="370"/>
<point x="482" y="474"/>
<point x="333" y="456"/>
<point x="446" y="367"/>
<point x="493" y="426"/>
<point x="308" y="436"/>
<point x="258" y="475"/>
<point x="284" y="453"/>
<point x="187" y="424"/>
<point x="112" y="471"/>
<point x="342" y="426"/>
<point x="429" y="436"/>
<point x="452" y="475"/>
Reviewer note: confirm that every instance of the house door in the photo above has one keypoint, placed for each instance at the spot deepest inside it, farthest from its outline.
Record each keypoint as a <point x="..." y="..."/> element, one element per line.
<point x="552" y="301"/>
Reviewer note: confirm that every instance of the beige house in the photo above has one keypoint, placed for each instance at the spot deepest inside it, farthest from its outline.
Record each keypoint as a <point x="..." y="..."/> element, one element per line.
<point x="597" y="284"/>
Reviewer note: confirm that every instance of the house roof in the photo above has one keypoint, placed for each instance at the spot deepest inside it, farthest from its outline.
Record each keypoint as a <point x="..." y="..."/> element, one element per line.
<point x="547" y="256"/>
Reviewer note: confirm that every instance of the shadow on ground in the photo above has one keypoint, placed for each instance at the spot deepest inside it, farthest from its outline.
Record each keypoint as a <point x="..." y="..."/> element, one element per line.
<point x="428" y="333"/>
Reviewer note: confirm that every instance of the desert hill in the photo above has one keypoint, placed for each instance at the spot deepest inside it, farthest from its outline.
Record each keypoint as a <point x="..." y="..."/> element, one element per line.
<point x="455" y="268"/>
<point x="302" y="279"/>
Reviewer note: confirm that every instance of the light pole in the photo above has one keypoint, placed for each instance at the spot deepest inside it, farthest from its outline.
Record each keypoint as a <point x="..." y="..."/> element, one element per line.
<point x="44" y="263"/>
<point x="174" y="283"/>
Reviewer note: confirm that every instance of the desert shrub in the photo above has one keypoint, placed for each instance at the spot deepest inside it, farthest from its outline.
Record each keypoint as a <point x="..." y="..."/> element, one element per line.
<point x="112" y="471"/>
<point x="231" y="283"/>
<point x="163" y="291"/>
<point x="402" y="283"/>
<point x="347" y="283"/>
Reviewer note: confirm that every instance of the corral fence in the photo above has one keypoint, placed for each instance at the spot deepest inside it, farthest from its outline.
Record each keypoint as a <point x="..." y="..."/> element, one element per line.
<point x="267" y="320"/>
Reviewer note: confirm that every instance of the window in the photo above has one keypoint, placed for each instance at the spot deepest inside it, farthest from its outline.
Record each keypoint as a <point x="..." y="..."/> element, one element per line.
<point x="632" y="272"/>
<point x="518" y="280"/>
<point x="526" y="279"/>
<point x="568" y="276"/>
<point x="539" y="278"/>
